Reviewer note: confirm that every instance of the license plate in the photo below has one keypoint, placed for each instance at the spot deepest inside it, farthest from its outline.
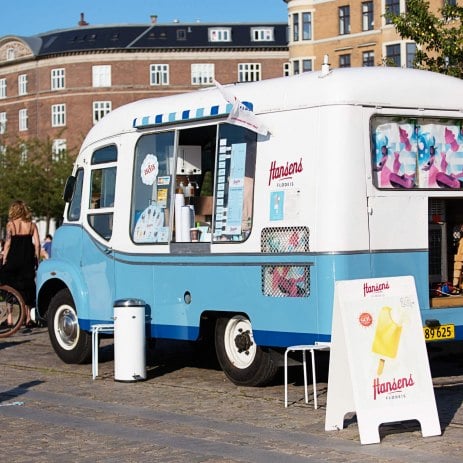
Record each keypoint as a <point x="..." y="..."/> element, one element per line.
<point x="438" y="333"/>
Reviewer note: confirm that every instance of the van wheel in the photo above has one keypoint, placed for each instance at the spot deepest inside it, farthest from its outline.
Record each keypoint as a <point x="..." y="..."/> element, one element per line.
<point x="242" y="361"/>
<point x="70" y="343"/>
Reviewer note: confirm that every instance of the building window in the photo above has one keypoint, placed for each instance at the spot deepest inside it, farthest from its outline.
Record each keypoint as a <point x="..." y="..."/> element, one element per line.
<point x="2" y="88"/>
<point x="344" y="61"/>
<point x="344" y="20"/>
<point x="202" y="73"/>
<point x="368" y="58"/>
<point x="393" y="55"/>
<point x="367" y="16"/>
<point x="220" y="34"/>
<point x="450" y="2"/>
<point x="23" y="119"/>
<point x="2" y="123"/>
<point x="159" y="74"/>
<point x="295" y="27"/>
<point x="101" y="76"/>
<point x="22" y="84"/>
<point x="10" y="54"/>
<point x="58" y="115"/>
<point x="411" y="53"/>
<point x="262" y="34"/>
<point x="306" y="26"/>
<point x="57" y="79"/>
<point x="286" y="69"/>
<point x="59" y="146"/>
<point x="100" y="109"/>
<point x="248" y="72"/>
<point x="303" y="65"/>
<point x="392" y="7"/>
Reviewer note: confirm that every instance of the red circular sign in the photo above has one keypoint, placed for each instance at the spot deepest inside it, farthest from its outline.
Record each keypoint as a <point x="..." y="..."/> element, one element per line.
<point x="365" y="319"/>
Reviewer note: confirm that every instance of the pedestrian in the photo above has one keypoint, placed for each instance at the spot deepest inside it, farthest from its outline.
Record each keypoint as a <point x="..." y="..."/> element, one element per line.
<point x="21" y="254"/>
<point x="45" y="252"/>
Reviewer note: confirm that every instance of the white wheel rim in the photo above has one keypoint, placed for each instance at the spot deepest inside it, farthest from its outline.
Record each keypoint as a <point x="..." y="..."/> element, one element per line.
<point x="66" y="327"/>
<point x="239" y="342"/>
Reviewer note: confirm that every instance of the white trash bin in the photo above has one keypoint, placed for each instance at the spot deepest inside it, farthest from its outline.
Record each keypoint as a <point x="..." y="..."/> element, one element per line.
<point x="129" y="340"/>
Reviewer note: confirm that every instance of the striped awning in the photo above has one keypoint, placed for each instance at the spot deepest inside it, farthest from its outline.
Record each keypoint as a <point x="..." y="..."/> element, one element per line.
<point x="185" y="115"/>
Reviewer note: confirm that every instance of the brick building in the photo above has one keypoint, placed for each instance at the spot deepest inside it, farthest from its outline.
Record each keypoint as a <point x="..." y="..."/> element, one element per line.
<point x="59" y="83"/>
<point x="350" y="32"/>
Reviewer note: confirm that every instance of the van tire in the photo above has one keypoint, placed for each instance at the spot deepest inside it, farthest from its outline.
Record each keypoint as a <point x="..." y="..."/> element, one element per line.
<point x="71" y="344"/>
<point x="242" y="361"/>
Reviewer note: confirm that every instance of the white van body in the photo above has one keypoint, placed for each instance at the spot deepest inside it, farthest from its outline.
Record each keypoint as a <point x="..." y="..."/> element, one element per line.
<point x="356" y="173"/>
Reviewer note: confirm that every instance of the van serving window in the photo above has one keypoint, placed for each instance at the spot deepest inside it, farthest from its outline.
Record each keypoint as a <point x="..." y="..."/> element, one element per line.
<point x="205" y="196"/>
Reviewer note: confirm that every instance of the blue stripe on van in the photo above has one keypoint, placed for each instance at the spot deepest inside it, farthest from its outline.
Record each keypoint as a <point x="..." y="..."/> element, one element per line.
<point x="185" y="115"/>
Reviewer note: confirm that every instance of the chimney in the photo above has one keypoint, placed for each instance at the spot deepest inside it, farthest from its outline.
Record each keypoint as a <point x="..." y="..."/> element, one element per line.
<point x="154" y="18"/>
<point x="82" y="21"/>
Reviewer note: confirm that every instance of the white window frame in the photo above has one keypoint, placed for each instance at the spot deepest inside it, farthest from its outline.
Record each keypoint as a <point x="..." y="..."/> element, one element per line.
<point x="159" y="74"/>
<point x="10" y="54"/>
<point x="58" y="146"/>
<point x="101" y="75"/>
<point x="3" y="120"/>
<point x="58" y="115"/>
<point x="22" y="84"/>
<point x="3" y="88"/>
<point x="286" y="69"/>
<point x="100" y="109"/>
<point x="202" y="73"/>
<point x="23" y="120"/>
<point x="249" y="72"/>
<point x="57" y="78"/>
<point x="220" y="34"/>
<point x="262" y="34"/>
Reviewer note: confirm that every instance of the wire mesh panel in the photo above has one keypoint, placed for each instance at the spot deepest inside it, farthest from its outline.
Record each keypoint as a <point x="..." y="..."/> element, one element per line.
<point x="285" y="280"/>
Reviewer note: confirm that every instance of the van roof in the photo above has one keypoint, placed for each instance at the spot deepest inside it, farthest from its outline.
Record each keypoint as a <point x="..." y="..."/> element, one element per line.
<point x="375" y="86"/>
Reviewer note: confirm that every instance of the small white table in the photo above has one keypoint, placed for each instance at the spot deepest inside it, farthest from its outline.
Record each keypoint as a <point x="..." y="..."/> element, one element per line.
<point x="96" y="330"/>
<point x="304" y="348"/>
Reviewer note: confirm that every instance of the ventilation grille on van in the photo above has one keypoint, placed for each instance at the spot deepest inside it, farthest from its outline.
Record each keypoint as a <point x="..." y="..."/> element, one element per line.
<point x="285" y="280"/>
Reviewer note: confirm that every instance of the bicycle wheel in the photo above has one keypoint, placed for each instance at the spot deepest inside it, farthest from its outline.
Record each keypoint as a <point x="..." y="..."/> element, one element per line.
<point x="12" y="311"/>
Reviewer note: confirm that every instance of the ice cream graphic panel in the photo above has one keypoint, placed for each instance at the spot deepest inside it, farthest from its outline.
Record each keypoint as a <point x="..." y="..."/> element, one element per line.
<point x="387" y="337"/>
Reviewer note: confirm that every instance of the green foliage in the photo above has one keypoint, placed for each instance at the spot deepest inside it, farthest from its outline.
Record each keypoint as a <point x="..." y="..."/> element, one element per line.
<point x="30" y="171"/>
<point x="439" y="38"/>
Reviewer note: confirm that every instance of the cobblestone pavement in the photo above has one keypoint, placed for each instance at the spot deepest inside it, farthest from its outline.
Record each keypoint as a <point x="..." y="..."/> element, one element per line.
<point x="187" y="411"/>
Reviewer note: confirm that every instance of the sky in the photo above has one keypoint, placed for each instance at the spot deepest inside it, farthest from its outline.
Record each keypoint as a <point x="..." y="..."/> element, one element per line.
<point x="30" y="17"/>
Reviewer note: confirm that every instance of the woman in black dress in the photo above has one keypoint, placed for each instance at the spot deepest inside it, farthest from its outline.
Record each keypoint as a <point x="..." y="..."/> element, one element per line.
<point x="21" y="254"/>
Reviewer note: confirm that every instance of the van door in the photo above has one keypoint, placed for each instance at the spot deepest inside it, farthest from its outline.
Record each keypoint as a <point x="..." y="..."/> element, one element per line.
<point x="97" y="255"/>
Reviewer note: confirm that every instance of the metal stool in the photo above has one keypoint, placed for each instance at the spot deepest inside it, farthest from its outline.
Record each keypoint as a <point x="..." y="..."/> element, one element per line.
<point x="96" y="330"/>
<point x="304" y="348"/>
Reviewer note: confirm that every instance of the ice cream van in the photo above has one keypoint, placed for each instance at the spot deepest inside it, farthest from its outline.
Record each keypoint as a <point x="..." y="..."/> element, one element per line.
<point x="232" y="211"/>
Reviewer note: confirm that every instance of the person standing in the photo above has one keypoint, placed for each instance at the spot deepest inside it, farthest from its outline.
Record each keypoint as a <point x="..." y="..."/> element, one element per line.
<point x="21" y="254"/>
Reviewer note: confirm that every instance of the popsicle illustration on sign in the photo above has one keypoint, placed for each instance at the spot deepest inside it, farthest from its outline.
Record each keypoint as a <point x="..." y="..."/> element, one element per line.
<point x="387" y="337"/>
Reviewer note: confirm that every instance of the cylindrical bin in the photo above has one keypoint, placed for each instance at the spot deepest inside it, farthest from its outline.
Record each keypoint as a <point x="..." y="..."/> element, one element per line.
<point x="129" y="340"/>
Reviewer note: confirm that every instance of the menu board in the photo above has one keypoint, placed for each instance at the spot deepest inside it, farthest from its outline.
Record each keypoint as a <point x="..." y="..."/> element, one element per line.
<point x="378" y="345"/>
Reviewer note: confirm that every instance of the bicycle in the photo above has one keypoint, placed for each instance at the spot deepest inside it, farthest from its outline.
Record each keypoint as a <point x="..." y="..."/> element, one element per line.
<point x="12" y="311"/>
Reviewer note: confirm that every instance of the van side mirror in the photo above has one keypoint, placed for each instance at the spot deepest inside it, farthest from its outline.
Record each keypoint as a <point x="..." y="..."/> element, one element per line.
<point x="69" y="188"/>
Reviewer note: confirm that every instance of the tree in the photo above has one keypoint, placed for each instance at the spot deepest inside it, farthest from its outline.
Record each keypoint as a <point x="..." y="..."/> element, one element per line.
<point x="30" y="170"/>
<point x="439" y="38"/>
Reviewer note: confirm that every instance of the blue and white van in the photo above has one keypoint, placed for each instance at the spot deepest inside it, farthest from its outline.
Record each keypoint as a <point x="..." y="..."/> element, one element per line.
<point x="232" y="212"/>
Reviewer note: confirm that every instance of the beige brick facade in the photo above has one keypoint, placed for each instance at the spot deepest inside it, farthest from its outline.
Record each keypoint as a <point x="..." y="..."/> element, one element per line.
<point x="357" y="46"/>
